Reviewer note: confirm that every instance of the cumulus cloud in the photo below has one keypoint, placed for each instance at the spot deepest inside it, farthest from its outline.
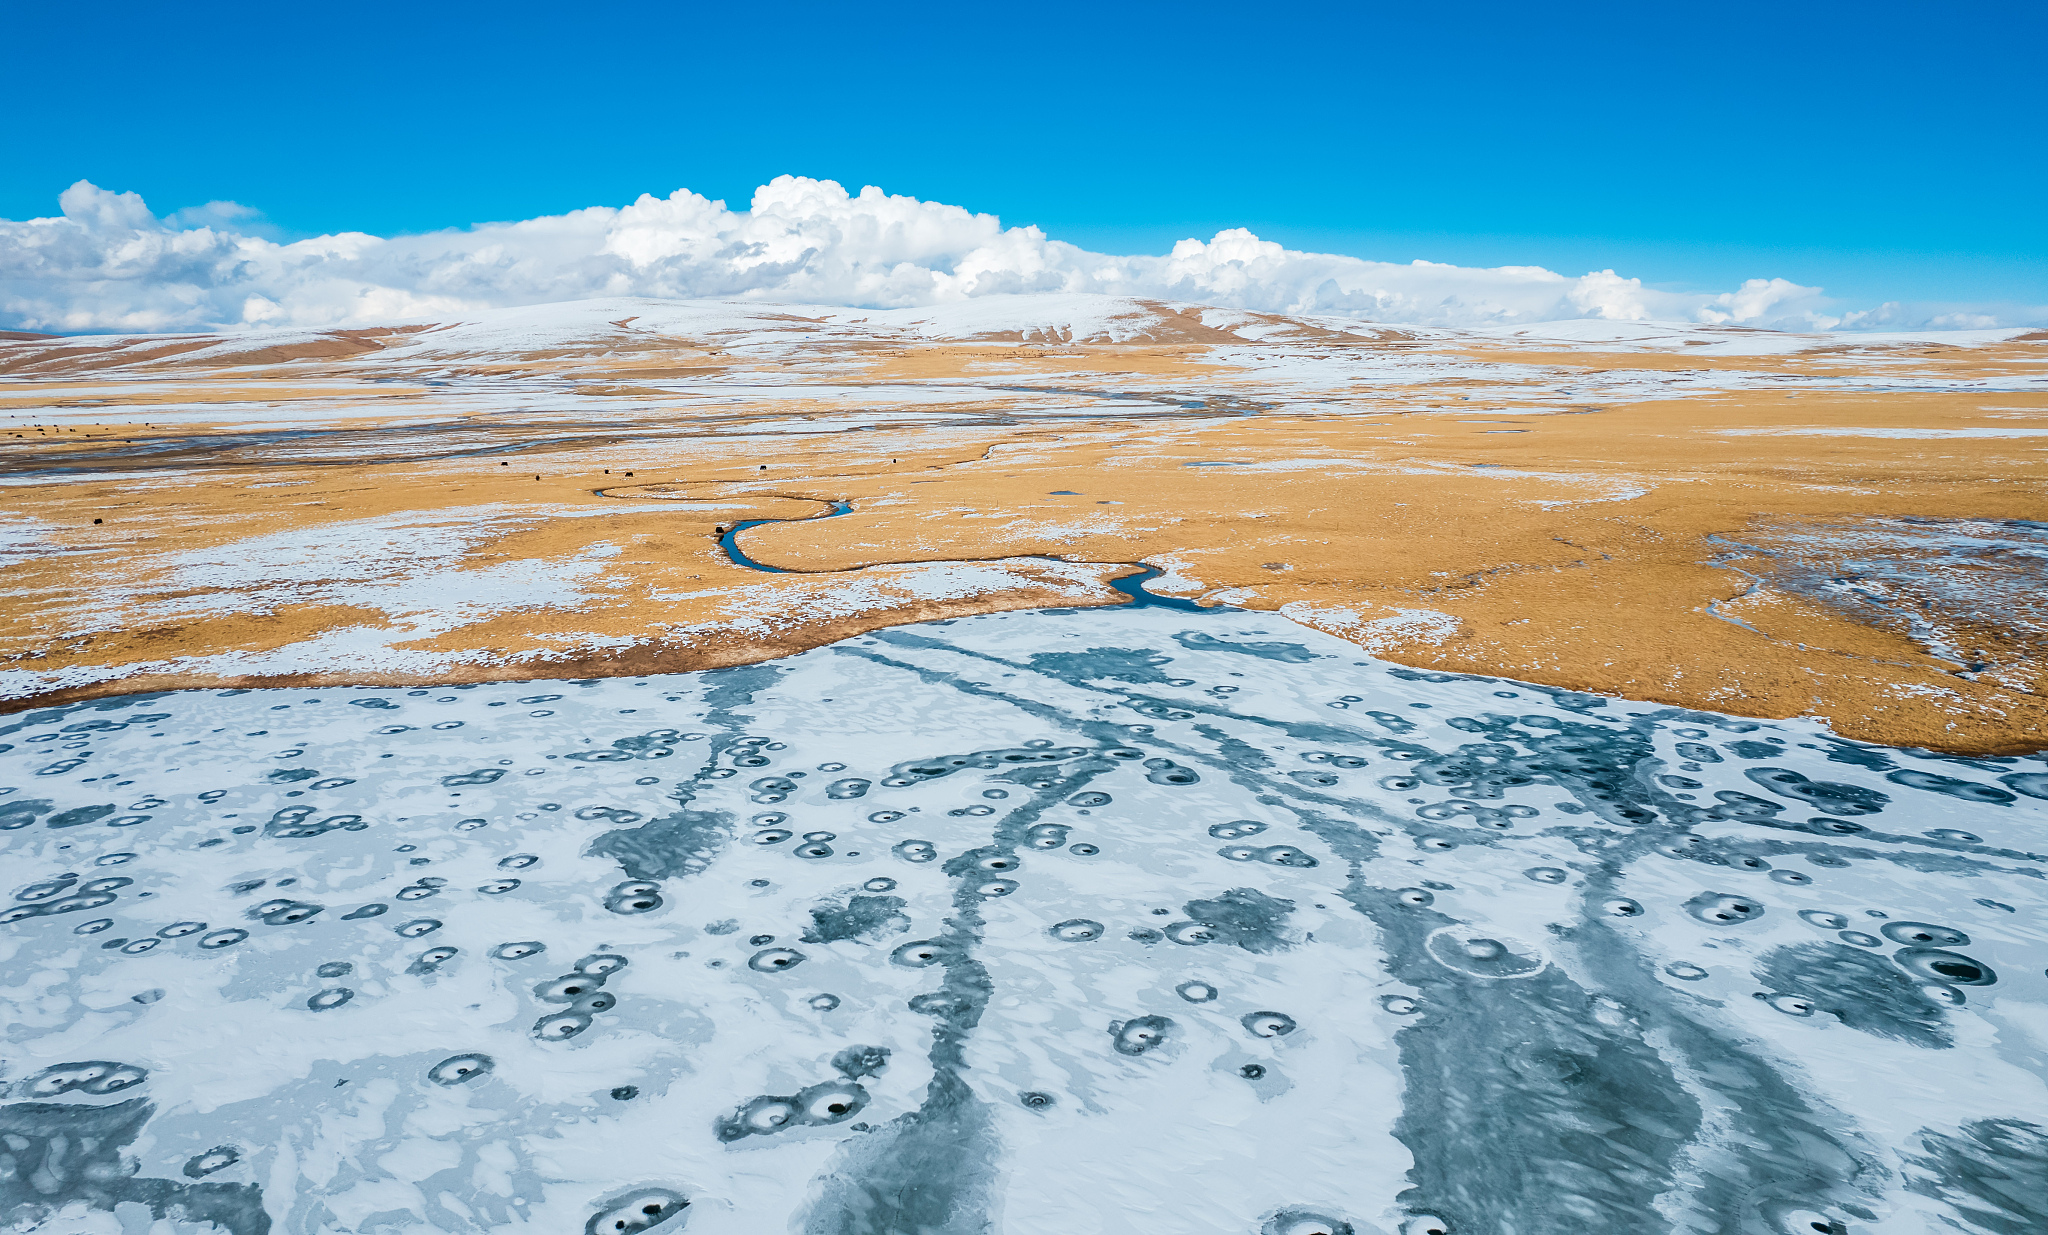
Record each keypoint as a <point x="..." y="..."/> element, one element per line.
<point x="108" y="264"/>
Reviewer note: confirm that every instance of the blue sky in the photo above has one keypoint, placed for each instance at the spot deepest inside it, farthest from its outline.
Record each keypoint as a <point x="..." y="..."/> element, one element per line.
<point x="1879" y="150"/>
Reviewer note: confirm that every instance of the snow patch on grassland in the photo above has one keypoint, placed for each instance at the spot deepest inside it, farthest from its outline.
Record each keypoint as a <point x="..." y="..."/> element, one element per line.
<point x="1379" y="634"/>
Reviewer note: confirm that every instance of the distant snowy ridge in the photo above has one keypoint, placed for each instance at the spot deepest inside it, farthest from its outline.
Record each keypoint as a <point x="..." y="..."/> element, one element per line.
<point x="109" y="264"/>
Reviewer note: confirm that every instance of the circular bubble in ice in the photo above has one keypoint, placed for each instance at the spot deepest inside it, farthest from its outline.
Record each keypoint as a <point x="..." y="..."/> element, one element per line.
<point x="771" y="836"/>
<point x="178" y="930"/>
<point x="997" y="887"/>
<point x="1924" y="934"/>
<point x="641" y="1209"/>
<point x="815" y="849"/>
<point x="332" y="997"/>
<point x="1792" y="877"/>
<point x="1236" y="829"/>
<point x="1415" y="898"/>
<point x="518" y="950"/>
<point x="1546" y="874"/>
<point x="1860" y="939"/>
<point x="418" y="927"/>
<point x="219" y="1158"/>
<point x="625" y="1093"/>
<point x="1685" y="971"/>
<point x="1076" y="930"/>
<point x="1483" y="954"/>
<point x="915" y="850"/>
<point x="775" y="960"/>
<point x="498" y="887"/>
<point x="1791" y="1005"/>
<point x="1400" y="1005"/>
<point x="601" y="964"/>
<point x="1267" y="1024"/>
<point x="1084" y="849"/>
<point x="1140" y="1034"/>
<point x="881" y="883"/>
<point x="918" y="953"/>
<point x="1823" y="919"/>
<point x="824" y="1002"/>
<point x="1191" y="934"/>
<point x="568" y="988"/>
<point x="1090" y="798"/>
<point x="1621" y="907"/>
<point x="1197" y="992"/>
<point x="1941" y="965"/>
<point x="561" y="1026"/>
<point x="459" y="1069"/>
<point x="1724" y="908"/>
<point x="1035" y="1100"/>
<point x="1299" y="1221"/>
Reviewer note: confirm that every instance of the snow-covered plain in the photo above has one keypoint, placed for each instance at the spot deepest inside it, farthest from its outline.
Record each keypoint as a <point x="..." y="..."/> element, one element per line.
<point x="1057" y="922"/>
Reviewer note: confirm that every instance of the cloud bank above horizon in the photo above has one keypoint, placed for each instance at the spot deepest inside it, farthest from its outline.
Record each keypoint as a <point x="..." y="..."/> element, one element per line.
<point x="108" y="264"/>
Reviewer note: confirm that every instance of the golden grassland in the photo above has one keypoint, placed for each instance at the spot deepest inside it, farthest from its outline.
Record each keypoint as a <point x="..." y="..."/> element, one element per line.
<point x="317" y="512"/>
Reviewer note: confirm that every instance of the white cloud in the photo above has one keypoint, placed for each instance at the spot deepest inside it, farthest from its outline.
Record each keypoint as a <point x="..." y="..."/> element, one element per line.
<point x="109" y="264"/>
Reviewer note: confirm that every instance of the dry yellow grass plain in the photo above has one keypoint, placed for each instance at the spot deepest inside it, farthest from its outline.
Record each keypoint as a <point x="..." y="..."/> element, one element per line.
<point x="1753" y="523"/>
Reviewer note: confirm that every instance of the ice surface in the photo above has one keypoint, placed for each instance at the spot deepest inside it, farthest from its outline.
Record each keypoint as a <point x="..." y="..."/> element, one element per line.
<point x="1061" y="922"/>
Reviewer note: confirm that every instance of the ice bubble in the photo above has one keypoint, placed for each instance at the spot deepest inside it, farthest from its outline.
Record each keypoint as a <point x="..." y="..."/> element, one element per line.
<point x="824" y="1002"/>
<point x="561" y="1026"/>
<point x="1301" y="1221"/>
<point x="1823" y="919"/>
<point x="1792" y="1005"/>
<point x="815" y="849"/>
<point x="1724" y="908"/>
<point x="518" y="862"/>
<point x="1140" y="1034"/>
<point x="771" y="836"/>
<point x="93" y="1076"/>
<point x="1482" y="954"/>
<point x="1944" y="966"/>
<point x="334" y="969"/>
<point x="1196" y="992"/>
<point x="517" y="950"/>
<point x="918" y="953"/>
<point x="417" y="927"/>
<point x="775" y="960"/>
<point x="1924" y="934"/>
<point x="1685" y="971"/>
<point x="219" y="1158"/>
<point x="1083" y="849"/>
<point x="568" y="988"/>
<point x="1267" y="1024"/>
<point x="1076" y="930"/>
<point x="642" y="1209"/>
<point x="1546" y="874"/>
<point x="1035" y="1100"/>
<point x="222" y="939"/>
